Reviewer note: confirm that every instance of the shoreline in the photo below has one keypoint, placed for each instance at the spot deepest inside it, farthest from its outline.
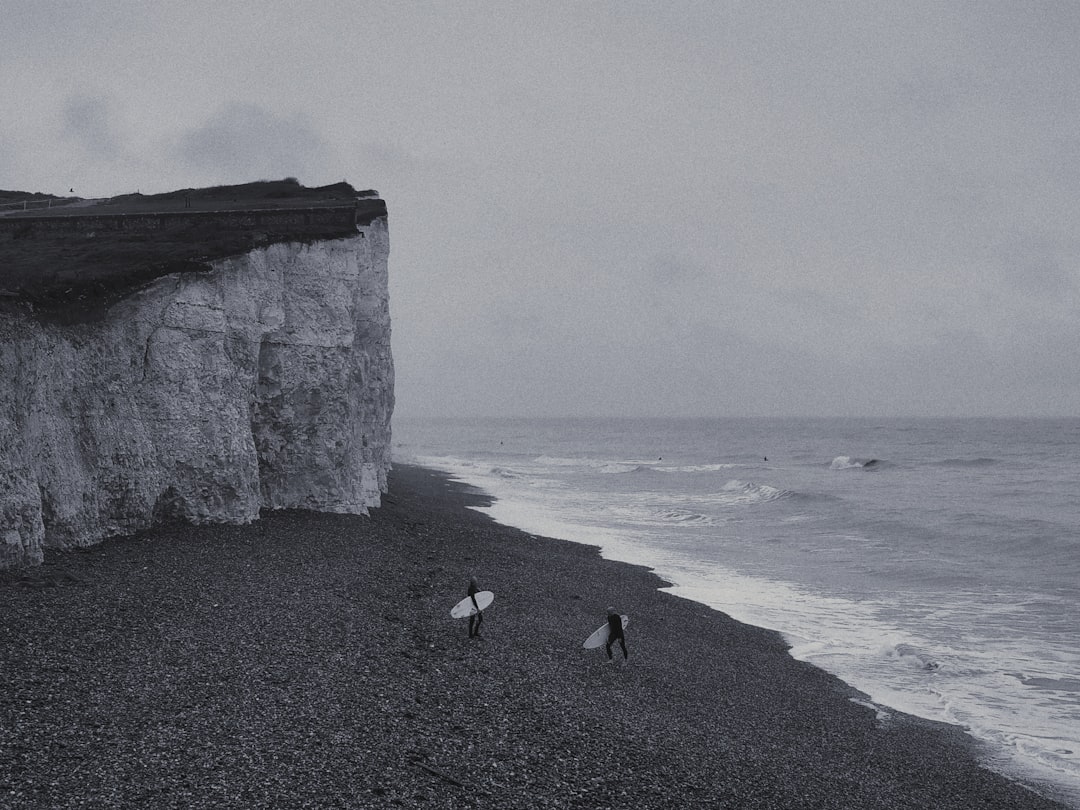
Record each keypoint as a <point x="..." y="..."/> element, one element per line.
<point x="506" y="509"/>
<point x="310" y="660"/>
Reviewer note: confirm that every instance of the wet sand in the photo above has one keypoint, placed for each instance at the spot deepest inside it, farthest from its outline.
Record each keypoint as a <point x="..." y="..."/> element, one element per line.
<point x="309" y="660"/>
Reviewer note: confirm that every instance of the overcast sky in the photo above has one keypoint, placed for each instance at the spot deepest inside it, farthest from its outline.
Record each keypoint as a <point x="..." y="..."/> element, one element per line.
<point x="690" y="208"/>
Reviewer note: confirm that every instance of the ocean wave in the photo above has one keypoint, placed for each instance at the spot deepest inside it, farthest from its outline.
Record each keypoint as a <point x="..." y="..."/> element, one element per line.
<point x="492" y="478"/>
<point x="1048" y="684"/>
<point x="448" y="464"/>
<point x="650" y="467"/>
<point x="629" y="465"/>
<point x="849" y="463"/>
<point x="966" y="462"/>
<point x="623" y="469"/>
<point x="696" y="468"/>
<point x="737" y="492"/>
<point x="601" y="465"/>
<point x="560" y="461"/>
<point x="679" y="516"/>
<point x="910" y="656"/>
<point x="682" y="517"/>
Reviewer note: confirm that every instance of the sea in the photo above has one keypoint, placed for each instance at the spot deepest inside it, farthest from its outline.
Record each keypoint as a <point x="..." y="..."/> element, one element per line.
<point x="932" y="564"/>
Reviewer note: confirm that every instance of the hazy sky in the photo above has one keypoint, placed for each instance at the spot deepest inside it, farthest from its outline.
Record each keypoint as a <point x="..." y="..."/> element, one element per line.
<point x="692" y="208"/>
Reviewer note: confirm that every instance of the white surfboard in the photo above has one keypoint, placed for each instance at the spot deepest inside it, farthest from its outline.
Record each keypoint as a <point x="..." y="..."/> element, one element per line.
<point x="600" y="637"/>
<point x="466" y="607"/>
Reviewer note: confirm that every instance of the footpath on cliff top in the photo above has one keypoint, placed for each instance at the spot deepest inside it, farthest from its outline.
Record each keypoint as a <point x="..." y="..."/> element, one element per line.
<point x="309" y="660"/>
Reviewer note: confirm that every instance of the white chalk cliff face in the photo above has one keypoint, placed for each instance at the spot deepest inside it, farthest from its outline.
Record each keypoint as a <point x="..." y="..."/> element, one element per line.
<point x="267" y="382"/>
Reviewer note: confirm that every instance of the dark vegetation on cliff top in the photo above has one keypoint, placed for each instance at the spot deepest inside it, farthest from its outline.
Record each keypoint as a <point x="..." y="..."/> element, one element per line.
<point x="32" y="196"/>
<point x="102" y="250"/>
<point x="261" y="193"/>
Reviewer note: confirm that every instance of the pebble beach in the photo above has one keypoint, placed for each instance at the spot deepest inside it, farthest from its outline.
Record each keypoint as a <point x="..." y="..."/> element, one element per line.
<point x="309" y="660"/>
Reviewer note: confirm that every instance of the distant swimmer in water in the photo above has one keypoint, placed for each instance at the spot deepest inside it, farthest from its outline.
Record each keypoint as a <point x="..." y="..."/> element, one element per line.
<point x="477" y="617"/>
<point x="615" y="631"/>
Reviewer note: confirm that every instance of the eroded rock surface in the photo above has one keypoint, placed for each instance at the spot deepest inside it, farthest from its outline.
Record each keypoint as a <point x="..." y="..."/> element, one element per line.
<point x="266" y="382"/>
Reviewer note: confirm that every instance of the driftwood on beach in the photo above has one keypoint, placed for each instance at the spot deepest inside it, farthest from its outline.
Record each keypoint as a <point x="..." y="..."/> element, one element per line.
<point x="302" y="662"/>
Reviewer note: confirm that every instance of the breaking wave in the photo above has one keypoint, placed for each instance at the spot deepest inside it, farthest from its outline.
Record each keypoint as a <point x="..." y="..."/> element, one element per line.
<point x="744" y="492"/>
<point x="696" y="468"/>
<point x="661" y="515"/>
<point x="560" y="461"/>
<point x="911" y="656"/>
<point x="849" y="463"/>
<point x="632" y="465"/>
<point x="607" y="466"/>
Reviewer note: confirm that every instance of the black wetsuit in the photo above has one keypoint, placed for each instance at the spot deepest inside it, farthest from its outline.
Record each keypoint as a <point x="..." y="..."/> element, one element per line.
<point x="615" y="631"/>
<point x="475" y="618"/>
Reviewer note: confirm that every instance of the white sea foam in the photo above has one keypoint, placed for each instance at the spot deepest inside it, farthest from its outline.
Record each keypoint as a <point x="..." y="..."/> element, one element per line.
<point x="697" y="468"/>
<point x="744" y="492"/>
<point x="903" y="671"/>
<point x="613" y="464"/>
<point x="560" y="461"/>
<point x="663" y="511"/>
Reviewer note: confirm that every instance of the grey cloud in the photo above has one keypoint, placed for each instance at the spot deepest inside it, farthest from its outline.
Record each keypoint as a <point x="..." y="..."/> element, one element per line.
<point x="88" y="121"/>
<point x="1038" y="265"/>
<point x="247" y="142"/>
<point x="696" y="207"/>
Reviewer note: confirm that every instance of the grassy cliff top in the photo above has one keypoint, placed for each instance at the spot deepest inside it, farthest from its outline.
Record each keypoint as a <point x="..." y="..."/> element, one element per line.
<point x="262" y="194"/>
<point x="258" y="195"/>
<point x="74" y="258"/>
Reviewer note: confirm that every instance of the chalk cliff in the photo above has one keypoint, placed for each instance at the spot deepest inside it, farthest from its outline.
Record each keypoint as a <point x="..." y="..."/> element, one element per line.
<point x="264" y="381"/>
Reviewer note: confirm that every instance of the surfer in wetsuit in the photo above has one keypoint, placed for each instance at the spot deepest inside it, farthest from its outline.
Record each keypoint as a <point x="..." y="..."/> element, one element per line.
<point x="477" y="617"/>
<point x="615" y="631"/>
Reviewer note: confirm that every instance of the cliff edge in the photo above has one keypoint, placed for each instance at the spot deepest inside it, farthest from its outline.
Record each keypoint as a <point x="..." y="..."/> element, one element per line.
<point x="187" y="381"/>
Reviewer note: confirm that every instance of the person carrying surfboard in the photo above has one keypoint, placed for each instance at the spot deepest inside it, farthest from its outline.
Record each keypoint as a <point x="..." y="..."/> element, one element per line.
<point x="471" y="607"/>
<point x="615" y="631"/>
<point x="478" y="616"/>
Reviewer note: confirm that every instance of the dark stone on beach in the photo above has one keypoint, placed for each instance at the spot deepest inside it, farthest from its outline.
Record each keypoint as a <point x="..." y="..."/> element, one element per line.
<point x="310" y="661"/>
